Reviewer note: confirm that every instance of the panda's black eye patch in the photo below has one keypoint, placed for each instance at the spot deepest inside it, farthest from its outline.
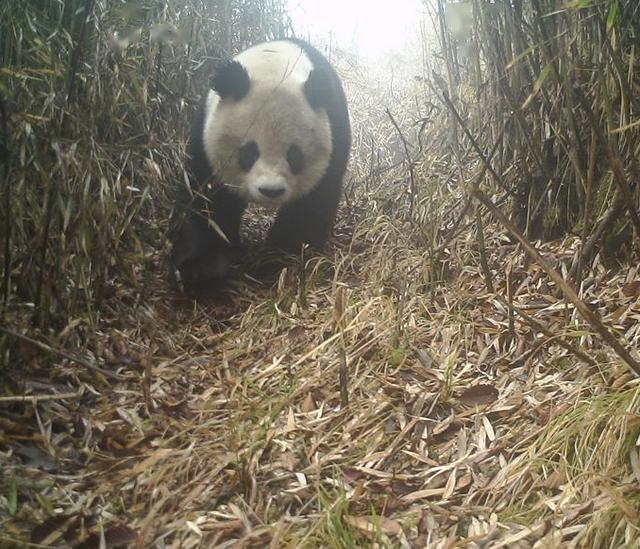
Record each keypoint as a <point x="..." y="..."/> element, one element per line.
<point x="295" y="158"/>
<point x="247" y="155"/>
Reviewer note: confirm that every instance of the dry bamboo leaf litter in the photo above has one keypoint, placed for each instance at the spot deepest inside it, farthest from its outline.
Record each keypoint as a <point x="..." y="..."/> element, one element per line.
<point x="254" y="425"/>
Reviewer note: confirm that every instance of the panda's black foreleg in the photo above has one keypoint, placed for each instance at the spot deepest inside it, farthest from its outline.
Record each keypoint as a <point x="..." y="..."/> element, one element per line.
<point x="200" y="253"/>
<point x="308" y="220"/>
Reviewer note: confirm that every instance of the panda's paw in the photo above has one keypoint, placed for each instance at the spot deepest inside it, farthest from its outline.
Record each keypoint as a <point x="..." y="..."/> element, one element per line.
<point x="196" y="273"/>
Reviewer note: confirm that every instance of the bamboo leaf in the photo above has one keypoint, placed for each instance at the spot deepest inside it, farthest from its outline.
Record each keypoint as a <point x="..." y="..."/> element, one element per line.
<point x="12" y="495"/>
<point x="520" y="57"/>
<point x="578" y="4"/>
<point x="573" y="5"/>
<point x="613" y="16"/>
<point x="538" y="85"/>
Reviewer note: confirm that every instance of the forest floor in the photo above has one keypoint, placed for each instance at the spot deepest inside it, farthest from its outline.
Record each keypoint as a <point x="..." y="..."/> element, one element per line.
<point x="356" y="401"/>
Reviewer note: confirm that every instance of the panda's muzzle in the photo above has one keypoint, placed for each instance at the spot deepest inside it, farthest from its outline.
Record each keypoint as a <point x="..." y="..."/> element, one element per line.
<point x="272" y="192"/>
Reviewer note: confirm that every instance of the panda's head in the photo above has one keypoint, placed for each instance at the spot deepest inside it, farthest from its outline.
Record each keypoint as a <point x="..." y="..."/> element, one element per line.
<point x="267" y="133"/>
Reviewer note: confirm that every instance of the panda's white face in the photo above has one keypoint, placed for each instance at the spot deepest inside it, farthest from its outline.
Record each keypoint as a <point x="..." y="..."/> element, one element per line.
<point x="269" y="146"/>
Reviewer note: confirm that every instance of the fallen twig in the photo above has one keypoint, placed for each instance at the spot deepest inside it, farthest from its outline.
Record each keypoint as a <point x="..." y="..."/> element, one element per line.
<point x="39" y="398"/>
<point x="77" y="359"/>
<point x="533" y="323"/>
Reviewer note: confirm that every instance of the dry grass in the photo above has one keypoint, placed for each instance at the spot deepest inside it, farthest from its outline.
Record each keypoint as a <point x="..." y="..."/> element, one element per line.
<point x="227" y="426"/>
<point x="378" y="395"/>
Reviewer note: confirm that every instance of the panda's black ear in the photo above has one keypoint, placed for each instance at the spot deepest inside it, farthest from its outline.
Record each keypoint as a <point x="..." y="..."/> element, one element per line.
<point x="318" y="89"/>
<point x="231" y="80"/>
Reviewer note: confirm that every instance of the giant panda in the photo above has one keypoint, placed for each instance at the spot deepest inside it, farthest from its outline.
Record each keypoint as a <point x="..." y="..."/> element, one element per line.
<point x="274" y="130"/>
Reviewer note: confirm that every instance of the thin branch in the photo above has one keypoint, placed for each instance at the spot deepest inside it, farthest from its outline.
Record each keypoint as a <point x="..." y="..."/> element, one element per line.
<point x="485" y="161"/>
<point x="409" y="162"/>
<point x="73" y="358"/>
<point x="605" y="223"/>
<point x="576" y="268"/>
<point x="75" y="56"/>
<point x="484" y="263"/>
<point x="614" y="163"/>
<point x="454" y="230"/>
<point x="39" y="398"/>
<point x="533" y="323"/>
<point x="4" y="157"/>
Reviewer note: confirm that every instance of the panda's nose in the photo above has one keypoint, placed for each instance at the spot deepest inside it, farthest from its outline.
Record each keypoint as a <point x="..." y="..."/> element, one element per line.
<point x="272" y="192"/>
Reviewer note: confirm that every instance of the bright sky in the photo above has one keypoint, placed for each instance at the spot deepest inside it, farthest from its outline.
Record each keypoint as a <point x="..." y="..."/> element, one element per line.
<point x="373" y="27"/>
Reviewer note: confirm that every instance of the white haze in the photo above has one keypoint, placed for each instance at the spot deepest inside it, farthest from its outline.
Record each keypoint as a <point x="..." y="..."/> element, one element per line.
<point x="367" y="27"/>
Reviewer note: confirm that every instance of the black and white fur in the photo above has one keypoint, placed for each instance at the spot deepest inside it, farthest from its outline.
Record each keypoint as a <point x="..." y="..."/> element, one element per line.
<point x="274" y="129"/>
